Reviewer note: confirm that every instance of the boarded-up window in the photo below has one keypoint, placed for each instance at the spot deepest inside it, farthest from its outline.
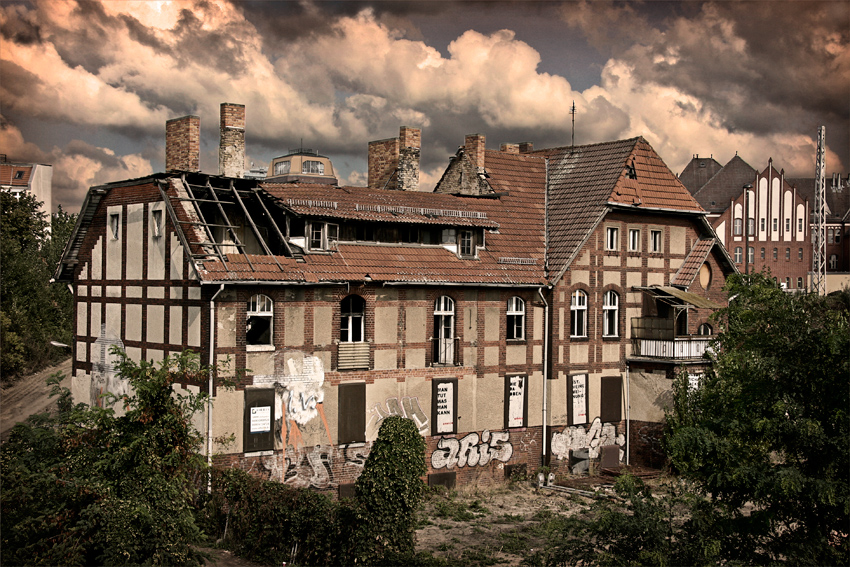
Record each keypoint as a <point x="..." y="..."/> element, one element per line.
<point x="577" y="399"/>
<point x="444" y="406"/>
<point x="516" y="400"/>
<point x="258" y="425"/>
<point x="352" y="413"/>
<point x="611" y="398"/>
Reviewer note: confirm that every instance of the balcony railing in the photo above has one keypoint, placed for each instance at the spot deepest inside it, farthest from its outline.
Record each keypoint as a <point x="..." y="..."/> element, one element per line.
<point x="681" y="348"/>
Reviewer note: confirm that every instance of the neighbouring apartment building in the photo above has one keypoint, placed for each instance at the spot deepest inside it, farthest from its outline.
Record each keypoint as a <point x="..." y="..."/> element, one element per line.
<point x="34" y="178"/>
<point x="765" y="220"/>
<point x="531" y="310"/>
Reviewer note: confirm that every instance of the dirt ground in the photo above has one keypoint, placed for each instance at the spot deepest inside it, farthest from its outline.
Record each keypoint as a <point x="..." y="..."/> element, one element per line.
<point x="28" y="396"/>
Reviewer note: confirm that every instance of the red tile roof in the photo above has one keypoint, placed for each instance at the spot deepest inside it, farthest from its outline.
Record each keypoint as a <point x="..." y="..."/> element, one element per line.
<point x="690" y="267"/>
<point x="8" y="172"/>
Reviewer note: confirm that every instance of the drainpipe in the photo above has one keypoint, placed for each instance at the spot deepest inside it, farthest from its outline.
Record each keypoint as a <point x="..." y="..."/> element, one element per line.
<point x="628" y="413"/>
<point x="210" y="385"/>
<point x="545" y="364"/>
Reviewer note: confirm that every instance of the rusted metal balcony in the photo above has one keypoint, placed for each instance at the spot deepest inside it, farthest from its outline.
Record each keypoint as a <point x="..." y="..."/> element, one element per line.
<point x="655" y="337"/>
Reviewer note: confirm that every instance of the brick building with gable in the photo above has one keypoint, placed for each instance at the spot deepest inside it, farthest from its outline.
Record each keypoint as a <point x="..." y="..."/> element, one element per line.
<point x="531" y="310"/>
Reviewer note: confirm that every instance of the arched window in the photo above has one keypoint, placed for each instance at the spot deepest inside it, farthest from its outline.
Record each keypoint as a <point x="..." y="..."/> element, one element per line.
<point x="610" y="314"/>
<point x="705" y="330"/>
<point x="516" y="318"/>
<point x="352" y="309"/>
<point x="444" y="330"/>
<point x="260" y="311"/>
<point x="578" y="314"/>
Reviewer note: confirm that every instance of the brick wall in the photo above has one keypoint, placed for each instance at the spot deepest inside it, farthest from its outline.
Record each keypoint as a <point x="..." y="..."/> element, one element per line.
<point x="183" y="144"/>
<point x="231" y="151"/>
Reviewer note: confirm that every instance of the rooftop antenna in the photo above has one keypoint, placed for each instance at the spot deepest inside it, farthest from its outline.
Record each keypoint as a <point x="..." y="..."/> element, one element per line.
<point x="573" y="112"/>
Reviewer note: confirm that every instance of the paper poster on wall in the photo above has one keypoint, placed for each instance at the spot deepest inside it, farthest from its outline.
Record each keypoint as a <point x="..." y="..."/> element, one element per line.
<point x="579" y="394"/>
<point x="261" y="419"/>
<point x="445" y="407"/>
<point x="516" y="401"/>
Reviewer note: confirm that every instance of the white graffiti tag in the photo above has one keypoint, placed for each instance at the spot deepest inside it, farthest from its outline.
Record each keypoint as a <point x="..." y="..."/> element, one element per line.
<point x="593" y="439"/>
<point x="409" y="408"/>
<point x="468" y="451"/>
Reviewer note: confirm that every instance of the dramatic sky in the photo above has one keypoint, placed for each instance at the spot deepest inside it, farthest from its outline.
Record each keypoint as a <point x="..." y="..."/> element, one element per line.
<point x="88" y="85"/>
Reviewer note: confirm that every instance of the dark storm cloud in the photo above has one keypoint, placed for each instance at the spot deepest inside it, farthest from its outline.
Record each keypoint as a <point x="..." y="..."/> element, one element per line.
<point x="17" y="81"/>
<point x="20" y="27"/>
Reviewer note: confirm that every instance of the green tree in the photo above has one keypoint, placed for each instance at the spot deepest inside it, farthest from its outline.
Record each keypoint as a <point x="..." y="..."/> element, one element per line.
<point x="766" y="436"/>
<point x="33" y="311"/>
<point x="389" y="491"/>
<point x="89" y="487"/>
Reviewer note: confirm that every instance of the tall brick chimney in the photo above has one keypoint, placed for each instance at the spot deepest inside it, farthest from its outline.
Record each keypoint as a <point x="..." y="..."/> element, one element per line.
<point x="474" y="145"/>
<point x="231" y="148"/>
<point x="394" y="162"/>
<point x="183" y="144"/>
<point x="526" y="147"/>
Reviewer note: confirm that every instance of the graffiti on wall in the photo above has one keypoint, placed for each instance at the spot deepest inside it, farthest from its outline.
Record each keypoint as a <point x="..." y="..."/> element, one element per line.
<point x="593" y="439"/>
<point x="299" y="396"/>
<point x="104" y="376"/>
<point x="408" y="407"/>
<point x="471" y="450"/>
<point x="313" y="467"/>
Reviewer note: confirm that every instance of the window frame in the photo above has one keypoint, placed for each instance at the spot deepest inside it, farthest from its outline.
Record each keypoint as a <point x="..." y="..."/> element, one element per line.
<point x="634" y="240"/>
<point x="578" y="314"/>
<point x="259" y="306"/>
<point x="739" y="254"/>
<point x="322" y="236"/>
<point x="776" y="253"/>
<point x="466" y="244"/>
<point x="312" y="167"/>
<point x="115" y="225"/>
<point x="515" y="319"/>
<point x="738" y="226"/>
<point x="352" y="323"/>
<point x="445" y="319"/>
<point x="610" y="314"/>
<point x="787" y="254"/>
<point x="612" y="238"/>
<point x="751" y="254"/>
<point x="656" y="238"/>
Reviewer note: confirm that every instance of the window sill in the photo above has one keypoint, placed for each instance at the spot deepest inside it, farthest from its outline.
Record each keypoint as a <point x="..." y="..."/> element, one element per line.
<point x="259" y="348"/>
<point x="259" y="454"/>
<point x="578" y="339"/>
<point x="610" y="338"/>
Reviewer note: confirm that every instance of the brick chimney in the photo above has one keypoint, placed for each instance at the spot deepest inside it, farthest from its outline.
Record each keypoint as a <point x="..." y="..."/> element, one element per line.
<point x="231" y="149"/>
<point x="510" y="148"/>
<point x="394" y="162"/>
<point x="526" y="147"/>
<point x="183" y="144"/>
<point x="474" y="146"/>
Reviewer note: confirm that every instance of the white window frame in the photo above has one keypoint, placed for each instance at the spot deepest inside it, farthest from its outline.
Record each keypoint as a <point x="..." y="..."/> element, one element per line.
<point x="352" y="323"/>
<point x="312" y="167"/>
<point x="612" y="238"/>
<point x="515" y="319"/>
<point x="634" y="240"/>
<point x="466" y="243"/>
<point x="656" y="240"/>
<point x="738" y="254"/>
<point x="444" y="330"/>
<point x="322" y="235"/>
<point x="282" y="167"/>
<point x="751" y="254"/>
<point x="738" y="226"/>
<point x="578" y="314"/>
<point x="610" y="314"/>
<point x="260" y="306"/>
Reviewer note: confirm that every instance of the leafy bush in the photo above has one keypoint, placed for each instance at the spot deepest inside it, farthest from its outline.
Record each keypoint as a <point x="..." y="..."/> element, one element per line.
<point x="87" y="487"/>
<point x="389" y="490"/>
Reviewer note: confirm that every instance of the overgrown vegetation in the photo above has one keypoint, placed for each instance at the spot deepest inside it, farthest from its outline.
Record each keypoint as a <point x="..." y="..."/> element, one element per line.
<point x="89" y="487"/>
<point x="33" y="311"/>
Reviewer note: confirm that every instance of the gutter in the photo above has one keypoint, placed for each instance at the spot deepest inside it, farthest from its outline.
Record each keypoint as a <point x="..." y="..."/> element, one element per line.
<point x="210" y="386"/>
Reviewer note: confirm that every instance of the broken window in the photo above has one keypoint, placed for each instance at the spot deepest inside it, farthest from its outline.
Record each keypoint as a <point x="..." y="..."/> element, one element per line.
<point x="578" y="314"/>
<point x="156" y="223"/>
<point x="260" y="313"/>
<point x="516" y="318"/>
<point x="444" y="330"/>
<point x="655" y="241"/>
<point x="115" y="225"/>
<point x="352" y="311"/>
<point x="612" y="238"/>
<point x="610" y="314"/>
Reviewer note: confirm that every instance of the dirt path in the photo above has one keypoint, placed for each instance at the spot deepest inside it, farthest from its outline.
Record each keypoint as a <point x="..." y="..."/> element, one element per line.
<point x="28" y="396"/>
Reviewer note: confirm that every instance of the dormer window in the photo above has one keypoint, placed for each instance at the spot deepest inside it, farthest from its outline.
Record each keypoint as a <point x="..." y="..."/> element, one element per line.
<point x="19" y="175"/>
<point x="465" y="243"/>
<point x="323" y="235"/>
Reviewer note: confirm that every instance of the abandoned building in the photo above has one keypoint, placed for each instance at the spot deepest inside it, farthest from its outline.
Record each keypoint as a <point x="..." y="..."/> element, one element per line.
<point x="530" y="311"/>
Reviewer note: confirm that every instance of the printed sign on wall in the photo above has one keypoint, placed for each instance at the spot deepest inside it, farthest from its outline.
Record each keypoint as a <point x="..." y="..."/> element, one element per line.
<point x="579" y="399"/>
<point x="515" y="400"/>
<point x="261" y="419"/>
<point x="445" y="407"/>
